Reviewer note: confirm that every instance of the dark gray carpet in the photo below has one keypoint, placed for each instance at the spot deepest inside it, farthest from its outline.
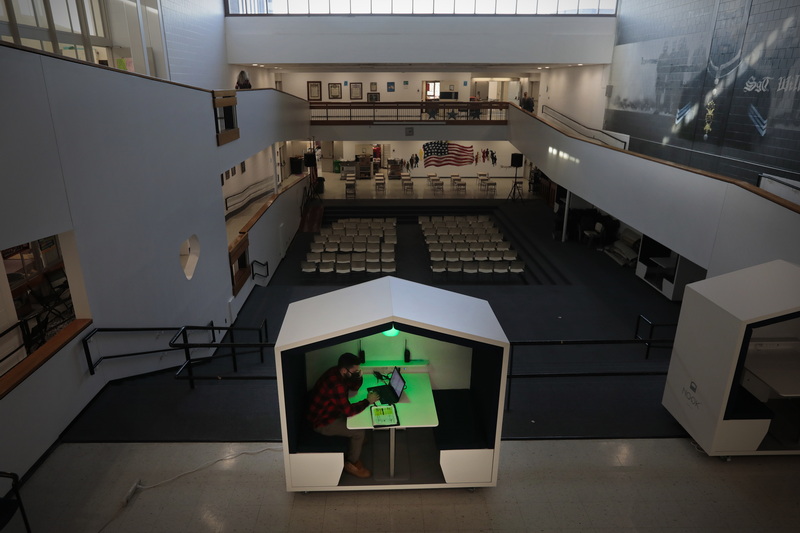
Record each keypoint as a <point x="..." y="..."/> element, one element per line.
<point x="572" y="292"/>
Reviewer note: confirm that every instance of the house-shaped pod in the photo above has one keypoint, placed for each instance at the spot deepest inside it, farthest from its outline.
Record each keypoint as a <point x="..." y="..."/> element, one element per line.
<point x="450" y="344"/>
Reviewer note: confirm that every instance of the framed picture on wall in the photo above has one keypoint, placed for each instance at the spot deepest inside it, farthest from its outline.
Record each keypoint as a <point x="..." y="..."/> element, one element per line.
<point x="373" y="97"/>
<point x="335" y="91"/>
<point x="355" y="92"/>
<point x="373" y="86"/>
<point x="314" y="90"/>
<point x="390" y="86"/>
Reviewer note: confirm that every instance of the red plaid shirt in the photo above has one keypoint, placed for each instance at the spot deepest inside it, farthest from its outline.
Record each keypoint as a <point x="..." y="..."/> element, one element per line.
<point x="330" y="399"/>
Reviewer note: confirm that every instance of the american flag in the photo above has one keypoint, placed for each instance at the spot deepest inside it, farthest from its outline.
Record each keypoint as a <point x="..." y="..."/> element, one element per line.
<point x="441" y="153"/>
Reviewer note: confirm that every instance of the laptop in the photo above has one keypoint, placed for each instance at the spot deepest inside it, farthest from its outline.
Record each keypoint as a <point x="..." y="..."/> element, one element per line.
<point x="390" y="394"/>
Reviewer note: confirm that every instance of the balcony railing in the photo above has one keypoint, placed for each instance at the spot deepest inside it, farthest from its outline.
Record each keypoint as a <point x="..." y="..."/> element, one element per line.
<point x="461" y="113"/>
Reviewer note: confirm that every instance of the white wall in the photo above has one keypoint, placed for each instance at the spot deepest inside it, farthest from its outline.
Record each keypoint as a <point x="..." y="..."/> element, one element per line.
<point x="195" y="33"/>
<point x="578" y="92"/>
<point x="420" y="39"/>
<point x="295" y="83"/>
<point x="129" y="170"/>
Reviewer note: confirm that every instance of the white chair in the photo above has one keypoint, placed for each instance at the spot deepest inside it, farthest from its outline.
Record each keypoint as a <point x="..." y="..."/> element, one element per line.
<point x="313" y="257"/>
<point x="485" y="267"/>
<point x="516" y="267"/>
<point x="326" y="266"/>
<point x="470" y="267"/>
<point x="308" y="266"/>
<point x="388" y="267"/>
<point x="438" y="266"/>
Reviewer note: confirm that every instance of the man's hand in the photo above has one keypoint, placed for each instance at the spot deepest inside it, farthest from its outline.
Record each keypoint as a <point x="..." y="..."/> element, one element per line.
<point x="373" y="397"/>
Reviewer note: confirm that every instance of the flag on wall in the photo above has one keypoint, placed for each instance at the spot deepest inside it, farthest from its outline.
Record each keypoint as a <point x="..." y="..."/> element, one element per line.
<point x="441" y="153"/>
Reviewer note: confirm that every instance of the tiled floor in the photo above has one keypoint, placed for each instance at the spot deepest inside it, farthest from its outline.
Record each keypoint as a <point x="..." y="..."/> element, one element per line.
<point x="551" y="486"/>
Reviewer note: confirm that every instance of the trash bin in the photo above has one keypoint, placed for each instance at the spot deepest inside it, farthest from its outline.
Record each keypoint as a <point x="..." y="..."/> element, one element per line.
<point x="337" y="166"/>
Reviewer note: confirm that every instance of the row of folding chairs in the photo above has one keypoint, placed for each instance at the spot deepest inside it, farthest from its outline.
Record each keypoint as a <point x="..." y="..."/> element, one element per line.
<point x="481" y="238"/>
<point x="468" y="246"/>
<point x="377" y="236"/>
<point x="380" y="231"/>
<point x="356" y="221"/>
<point x="494" y="256"/>
<point x="454" y="218"/>
<point x="479" y="267"/>
<point x="350" y="247"/>
<point x="463" y="229"/>
<point x="369" y="257"/>
<point x="346" y="268"/>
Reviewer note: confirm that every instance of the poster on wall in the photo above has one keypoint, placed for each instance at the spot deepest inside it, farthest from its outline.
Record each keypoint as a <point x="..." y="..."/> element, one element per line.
<point x="373" y="97"/>
<point x="334" y="91"/>
<point x="355" y="91"/>
<point x="314" y="90"/>
<point x="390" y="86"/>
<point x="373" y="86"/>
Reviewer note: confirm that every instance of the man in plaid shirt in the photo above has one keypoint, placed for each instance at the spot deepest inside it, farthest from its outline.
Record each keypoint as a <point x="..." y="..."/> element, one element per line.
<point x="329" y="406"/>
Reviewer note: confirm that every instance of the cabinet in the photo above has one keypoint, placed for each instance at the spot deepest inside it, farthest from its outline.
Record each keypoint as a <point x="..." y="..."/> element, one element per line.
<point x="363" y="167"/>
<point x="395" y="169"/>
<point x="665" y="270"/>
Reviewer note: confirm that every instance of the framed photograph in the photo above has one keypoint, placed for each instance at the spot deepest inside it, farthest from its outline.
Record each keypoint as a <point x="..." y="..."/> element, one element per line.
<point x="452" y="87"/>
<point x="373" y="97"/>
<point x="355" y="92"/>
<point x="390" y="86"/>
<point x="335" y="91"/>
<point x="314" y="90"/>
<point x="373" y="86"/>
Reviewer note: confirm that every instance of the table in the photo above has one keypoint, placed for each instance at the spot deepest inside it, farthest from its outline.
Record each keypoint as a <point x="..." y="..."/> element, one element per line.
<point x="779" y="369"/>
<point x="416" y="409"/>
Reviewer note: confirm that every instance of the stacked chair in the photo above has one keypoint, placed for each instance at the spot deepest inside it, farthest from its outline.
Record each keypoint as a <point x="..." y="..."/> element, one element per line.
<point x="468" y="245"/>
<point x="353" y="245"/>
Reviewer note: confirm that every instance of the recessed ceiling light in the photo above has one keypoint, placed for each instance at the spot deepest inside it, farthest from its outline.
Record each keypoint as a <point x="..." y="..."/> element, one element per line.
<point x="255" y="64"/>
<point x="580" y="64"/>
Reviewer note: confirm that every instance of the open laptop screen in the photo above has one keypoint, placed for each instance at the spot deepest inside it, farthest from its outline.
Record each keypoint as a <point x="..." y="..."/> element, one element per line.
<point x="397" y="382"/>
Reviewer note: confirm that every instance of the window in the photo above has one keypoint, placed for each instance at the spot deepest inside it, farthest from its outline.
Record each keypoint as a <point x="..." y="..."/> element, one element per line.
<point x="421" y="7"/>
<point x="432" y="89"/>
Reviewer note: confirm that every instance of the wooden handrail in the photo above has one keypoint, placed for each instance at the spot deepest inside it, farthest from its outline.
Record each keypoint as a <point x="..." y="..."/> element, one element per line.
<point x="22" y="370"/>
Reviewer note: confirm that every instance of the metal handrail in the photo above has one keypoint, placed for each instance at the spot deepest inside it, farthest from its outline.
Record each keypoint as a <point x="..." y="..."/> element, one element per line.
<point x="261" y="187"/>
<point x="92" y="364"/>
<point x="422" y="112"/>
<point x="547" y="110"/>
<point x="587" y="342"/>
<point x="22" y="325"/>
<point x="641" y="318"/>
<point x="181" y="341"/>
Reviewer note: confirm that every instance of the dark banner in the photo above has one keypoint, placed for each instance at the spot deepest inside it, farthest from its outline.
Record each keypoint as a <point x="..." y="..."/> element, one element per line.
<point x="731" y="91"/>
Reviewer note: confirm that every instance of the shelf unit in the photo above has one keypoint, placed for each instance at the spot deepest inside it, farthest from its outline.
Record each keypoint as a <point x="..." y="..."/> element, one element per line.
<point x="665" y="270"/>
<point x="363" y="168"/>
<point x="395" y="169"/>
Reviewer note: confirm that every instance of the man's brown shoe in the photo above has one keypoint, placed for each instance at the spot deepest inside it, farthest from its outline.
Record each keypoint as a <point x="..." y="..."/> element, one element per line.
<point x="354" y="470"/>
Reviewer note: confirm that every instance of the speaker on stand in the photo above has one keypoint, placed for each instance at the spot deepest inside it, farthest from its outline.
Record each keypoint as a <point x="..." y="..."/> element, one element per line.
<point x="516" y="188"/>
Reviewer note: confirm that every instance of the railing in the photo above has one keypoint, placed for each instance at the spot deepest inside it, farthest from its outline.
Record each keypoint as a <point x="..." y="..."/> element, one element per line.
<point x="181" y="342"/>
<point x="87" y="352"/>
<point x="25" y="340"/>
<point x="251" y="191"/>
<point x="636" y="335"/>
<point x="663" y="343"/>
<point x="585" y="131"/>
<point x="413" y="112"/>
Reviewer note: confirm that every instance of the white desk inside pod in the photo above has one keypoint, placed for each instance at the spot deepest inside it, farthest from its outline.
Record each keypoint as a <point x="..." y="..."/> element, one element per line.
<point x="455" y="339"/>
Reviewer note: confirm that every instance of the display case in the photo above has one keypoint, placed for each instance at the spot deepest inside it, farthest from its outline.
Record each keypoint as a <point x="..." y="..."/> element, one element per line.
<point x="363" y="167"/>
